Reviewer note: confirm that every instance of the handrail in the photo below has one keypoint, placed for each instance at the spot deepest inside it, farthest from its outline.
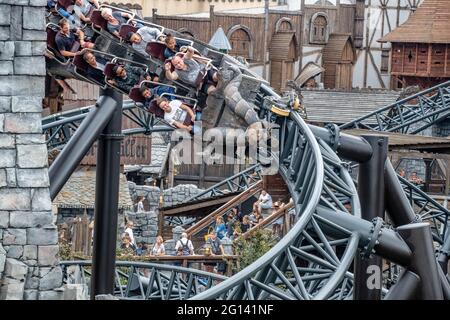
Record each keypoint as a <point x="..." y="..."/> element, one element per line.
<point x="271" y="218"/>
<point x="210" y="218"/>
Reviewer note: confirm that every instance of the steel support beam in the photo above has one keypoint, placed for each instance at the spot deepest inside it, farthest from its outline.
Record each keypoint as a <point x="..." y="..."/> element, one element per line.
<point x="371" y="195"/>
<point x="388" y="243"/>
<point x="397" y="204"/>
<point x="423" y="262"/>
<point x="89" y="130"/>
<point x="107" y="199"/>
<point x="405" y="288"/>
<point x="346" y="146"/>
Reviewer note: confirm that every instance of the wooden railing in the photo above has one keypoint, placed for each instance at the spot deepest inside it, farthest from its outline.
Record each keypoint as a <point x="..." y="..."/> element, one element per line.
<point x="209" y="219"/>
<point x="281" y="212"/>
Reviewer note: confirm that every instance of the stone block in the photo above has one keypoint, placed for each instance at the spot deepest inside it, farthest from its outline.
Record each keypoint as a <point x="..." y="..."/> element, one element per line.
<point x="38" y="48"/>
<point x="76" y="292"/>
<point x="11" y="177"/>
<point x="32" y="282"/>
<point x="22" y="48"/>
<point x="6" y="50"/>
<point x="15" y="252"/>
<point x="15" y="269"/>
<point x="15" y="199"/>
<point x="42" y="236"/>
<point x="32" y="156"/>
<point x="33" y="178"/>
<point x="12" y="291"/>
<point x="30" y="252"/>
<point x="40" y="199"/>
<point x="26" y="103"/>
<point x="35" y="138"/>
<point x="4" y="219"/>
<point x="38" y="3"/>
<point x="34" y="35"/>
<point x="51" y="295"/>
<point x="15" y="2"/>
<point x="5" y="104"/>
<point x="4" y="33"/>
<point x="6" y="68"/>
<point x="30" y="294"/>
<point x="18" y="85"/>
<point x="22" y="122"/>
<point x="29" y="219"/>
<point x="7" y="158"/>
<point x="6" y="140"/>
<point x="2" y="122"/>
<point x="14" y="236"/>
<point x="16" y="23"/>
<point x="2" y="259"/>
<point x="5" y="17"/>
<point x="3" y="180"/>
<point x="34" y="66"/>
<point x="50" y="279"/>
<point x="48" y="255"/>
<point x="34" y="18"/>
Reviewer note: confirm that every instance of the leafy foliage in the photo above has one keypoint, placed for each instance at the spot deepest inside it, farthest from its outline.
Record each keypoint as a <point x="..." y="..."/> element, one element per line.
<point x="250" y="249"/>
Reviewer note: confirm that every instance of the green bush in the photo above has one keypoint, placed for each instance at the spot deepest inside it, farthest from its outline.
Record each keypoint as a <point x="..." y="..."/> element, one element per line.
<point x="250" y="249"/>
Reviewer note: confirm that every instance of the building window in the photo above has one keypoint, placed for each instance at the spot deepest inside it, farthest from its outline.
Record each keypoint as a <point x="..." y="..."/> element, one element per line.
<point x="319" y="29"/>
<point x="384" y="60"/>
<point x="241" y="43"/>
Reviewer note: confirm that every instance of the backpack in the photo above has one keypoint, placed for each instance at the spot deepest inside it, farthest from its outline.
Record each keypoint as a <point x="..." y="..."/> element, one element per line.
<point x="185" y="248"/>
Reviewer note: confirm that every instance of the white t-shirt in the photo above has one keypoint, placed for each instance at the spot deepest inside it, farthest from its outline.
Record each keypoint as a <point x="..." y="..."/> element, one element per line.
<point x="130" y="233"/>
<point x="176" y="113"/>
<point x="265" y="199"/>
<point x="140" y="206"/>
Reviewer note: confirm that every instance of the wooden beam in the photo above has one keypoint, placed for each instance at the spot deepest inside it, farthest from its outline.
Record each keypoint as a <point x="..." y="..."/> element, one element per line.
<point x="196" y="206"/>
<point x="419" y="155"/>
<point x="244" y="196"/>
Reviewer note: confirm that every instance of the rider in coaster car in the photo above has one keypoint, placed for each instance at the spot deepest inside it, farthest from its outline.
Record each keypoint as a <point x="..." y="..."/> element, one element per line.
<point x="151" y="93"/>
<point x="177" y="114"/>
<point x="115" y="20"/>
<point x="83" y="9"/>
<point x="95" y="66"/>
<point x="187" y="70"/>
<point x="66" y="38"/>
<point x="142" y="37"/>
<point x="126" y="77"/>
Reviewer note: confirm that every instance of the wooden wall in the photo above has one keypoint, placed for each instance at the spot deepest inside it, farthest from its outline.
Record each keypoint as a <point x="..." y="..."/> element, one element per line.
<point x="204" y="28"/>
<point x="419" y="59"/>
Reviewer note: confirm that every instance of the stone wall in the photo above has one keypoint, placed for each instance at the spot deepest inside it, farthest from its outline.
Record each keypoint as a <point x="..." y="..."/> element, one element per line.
<point x="146" y="223"/>
<point x="28" y="237"/>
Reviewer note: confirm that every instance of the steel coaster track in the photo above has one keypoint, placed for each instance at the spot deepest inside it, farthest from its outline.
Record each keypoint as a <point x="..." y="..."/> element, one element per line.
<point x="146" y="281"/>
<point x="59" y="128"/>
<point x="309" y="262"/>
<point x="410" y="115"/>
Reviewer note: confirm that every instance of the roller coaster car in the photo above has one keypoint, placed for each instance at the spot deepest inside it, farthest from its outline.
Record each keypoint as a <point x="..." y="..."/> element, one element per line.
<point x="81" y="68"/>
<point x="135" y="92"/>
<point x="65" y="4"/>
<point x="125" y="29"/>
<point x="156" y="50"/>
<point x="98" y="22"/>
<point x="109" y="74"/>
<point x="159" y="113"/>
<point x="52" y="30"/>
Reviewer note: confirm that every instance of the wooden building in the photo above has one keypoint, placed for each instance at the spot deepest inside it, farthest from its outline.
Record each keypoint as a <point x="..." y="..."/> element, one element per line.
<point x="245" y="32"/>
<point x="338" y="57"/>
<point x="420" y="52"/>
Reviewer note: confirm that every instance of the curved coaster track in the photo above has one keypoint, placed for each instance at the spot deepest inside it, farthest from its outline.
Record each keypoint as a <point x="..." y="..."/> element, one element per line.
<point x="316" y="258"/>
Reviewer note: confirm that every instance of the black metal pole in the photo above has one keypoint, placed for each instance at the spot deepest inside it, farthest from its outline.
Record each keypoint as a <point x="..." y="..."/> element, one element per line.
<point x="387" y="244"/>
<point x="347" y="146"/>
<point x="371" y="195"/>
<point x="418" y="236"/>
<point x="405" y="288"/>
<point x="397" y="204"/>
<point x="77" y="147"/>
<point x="106" y="200"/>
